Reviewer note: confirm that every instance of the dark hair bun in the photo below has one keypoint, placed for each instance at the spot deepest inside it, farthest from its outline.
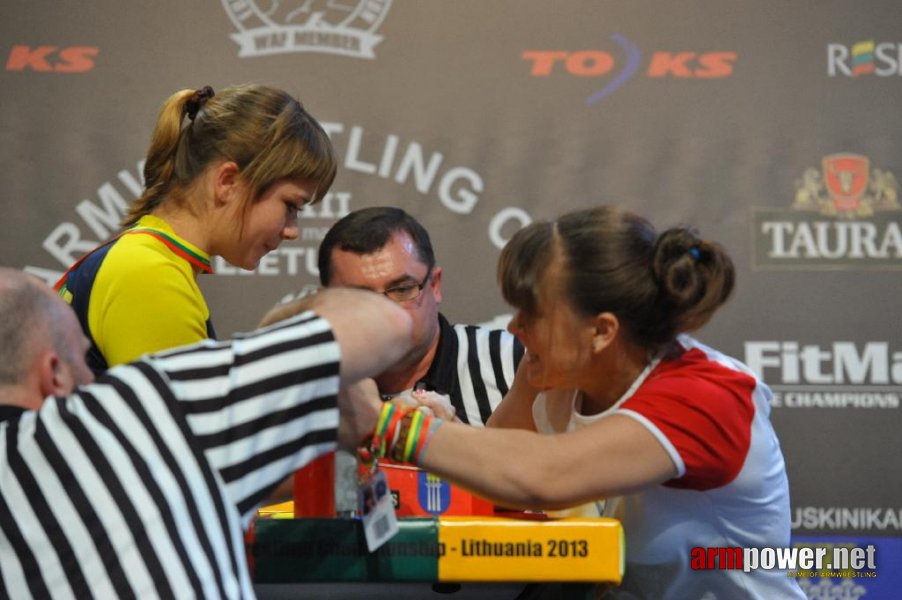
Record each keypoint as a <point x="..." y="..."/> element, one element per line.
<point x="694" y="277"/>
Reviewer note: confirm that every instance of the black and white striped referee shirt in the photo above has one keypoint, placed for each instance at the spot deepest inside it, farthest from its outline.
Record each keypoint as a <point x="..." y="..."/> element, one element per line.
<point x="475" y="367"/>
<point x="140" y="485"/>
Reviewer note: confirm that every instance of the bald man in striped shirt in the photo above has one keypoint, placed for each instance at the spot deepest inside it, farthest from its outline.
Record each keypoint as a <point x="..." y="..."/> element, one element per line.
<point x="140" y="484"/>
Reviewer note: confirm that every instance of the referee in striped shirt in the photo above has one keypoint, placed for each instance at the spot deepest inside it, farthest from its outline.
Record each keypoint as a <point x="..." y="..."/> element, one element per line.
<point x="141" y="483"/>
<point x="386" y="250"/>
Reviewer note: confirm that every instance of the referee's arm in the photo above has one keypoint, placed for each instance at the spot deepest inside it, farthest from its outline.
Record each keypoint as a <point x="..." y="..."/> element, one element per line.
<point x="266" y="404"/>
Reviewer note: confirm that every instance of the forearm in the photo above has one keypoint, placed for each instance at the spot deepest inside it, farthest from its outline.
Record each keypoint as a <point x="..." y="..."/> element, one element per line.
<point x="473" y="457"/>
<point x="515" y="410"/>
<point x="485" y="464"/>
<point x="513" y="413"/>
<point x="613" y="457"/>
<point x="373" y="332"/>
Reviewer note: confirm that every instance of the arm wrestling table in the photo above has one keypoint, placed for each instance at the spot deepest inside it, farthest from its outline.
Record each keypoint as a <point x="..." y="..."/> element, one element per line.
<point x="299" y="543"/>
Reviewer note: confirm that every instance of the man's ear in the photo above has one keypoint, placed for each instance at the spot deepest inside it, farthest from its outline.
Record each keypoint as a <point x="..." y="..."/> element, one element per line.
<point x="606" y="326"/>
<point x="226" y="182"/>
<point x="54" y="378"/>
<point x="435" y="282"/>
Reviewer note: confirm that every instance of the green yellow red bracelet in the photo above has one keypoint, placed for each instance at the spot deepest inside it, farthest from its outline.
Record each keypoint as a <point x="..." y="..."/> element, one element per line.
<point x="401" y="434"/>
<point x="388" y="420"/>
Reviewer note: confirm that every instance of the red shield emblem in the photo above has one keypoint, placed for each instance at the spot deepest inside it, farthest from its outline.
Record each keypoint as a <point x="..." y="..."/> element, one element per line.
<point x="846" y="179"/>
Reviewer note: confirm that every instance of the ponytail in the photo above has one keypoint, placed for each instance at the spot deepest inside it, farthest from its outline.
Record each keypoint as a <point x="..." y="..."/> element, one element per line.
<point x="159" y="164"/>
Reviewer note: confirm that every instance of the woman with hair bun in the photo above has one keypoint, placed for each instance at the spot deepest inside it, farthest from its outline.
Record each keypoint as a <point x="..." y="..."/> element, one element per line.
<point x="649" y="425"/>
<point x="225" y="175"/>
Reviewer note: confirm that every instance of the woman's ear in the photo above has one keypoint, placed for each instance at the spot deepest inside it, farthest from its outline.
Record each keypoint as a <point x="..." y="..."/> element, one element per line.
<point x="226" y="182"/>
<point x="606" y="327"/>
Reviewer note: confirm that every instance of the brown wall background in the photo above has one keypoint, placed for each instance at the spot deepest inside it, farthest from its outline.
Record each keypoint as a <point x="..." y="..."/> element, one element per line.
<point x="478" y="116"/>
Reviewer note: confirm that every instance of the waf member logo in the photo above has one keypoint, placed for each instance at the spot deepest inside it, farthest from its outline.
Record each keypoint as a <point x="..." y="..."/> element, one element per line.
<point x="844" y="215"/>
<point x="846" y="187"/>
<point x="345" y="28"/>
<point x="433" y="493"/>
<point x="623" y="60"/>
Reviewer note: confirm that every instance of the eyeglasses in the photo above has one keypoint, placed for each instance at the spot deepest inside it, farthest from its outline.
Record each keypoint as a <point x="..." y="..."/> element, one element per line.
<point x="407" y="292"/>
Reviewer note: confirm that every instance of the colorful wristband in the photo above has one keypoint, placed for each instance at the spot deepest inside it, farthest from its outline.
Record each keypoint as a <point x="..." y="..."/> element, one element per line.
<point x="401" y="434"/>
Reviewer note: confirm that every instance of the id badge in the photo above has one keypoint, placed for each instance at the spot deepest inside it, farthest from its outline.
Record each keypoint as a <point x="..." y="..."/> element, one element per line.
<point x="376" y="510"/>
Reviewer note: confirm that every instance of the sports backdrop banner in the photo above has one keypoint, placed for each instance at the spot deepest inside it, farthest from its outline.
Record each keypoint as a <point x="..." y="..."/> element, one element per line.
<point x="772" y="126"/>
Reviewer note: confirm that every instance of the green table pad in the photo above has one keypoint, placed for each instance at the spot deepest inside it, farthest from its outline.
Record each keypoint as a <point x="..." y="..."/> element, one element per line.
<point x="319" y="550"/>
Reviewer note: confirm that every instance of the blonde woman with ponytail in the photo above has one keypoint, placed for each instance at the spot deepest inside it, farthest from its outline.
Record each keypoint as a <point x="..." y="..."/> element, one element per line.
<point x="225" y="175"/>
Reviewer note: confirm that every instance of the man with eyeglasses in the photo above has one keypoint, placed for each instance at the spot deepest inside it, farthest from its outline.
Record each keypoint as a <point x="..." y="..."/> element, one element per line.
<point x="385" y="250"/>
